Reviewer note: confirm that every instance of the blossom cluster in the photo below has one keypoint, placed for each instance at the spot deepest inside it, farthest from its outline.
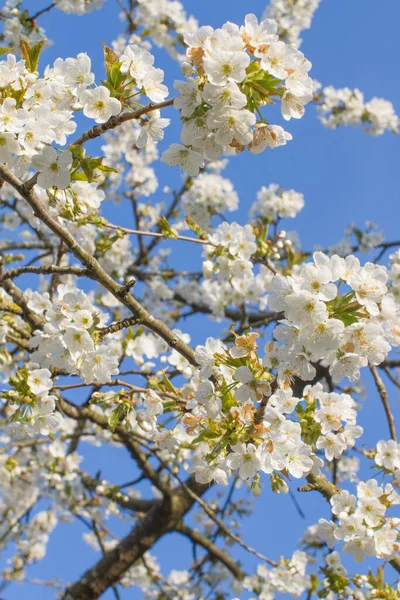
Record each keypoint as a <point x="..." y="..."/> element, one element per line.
<point x="274" y="397"/>
<point x="273" y="202"/>
<point x="286" y="436"/>
<point x="165" y="22"/>
<point x="37" y="112"/>
<point x="289" y="577"/>
<point x="209" y="194"/>
<point x="18" y="26"/>
<point x="33" y="409"/>
<point x="348" y="107"/>
<point x="32" y="544"/>
<point x="231" y="73"/>
<point x="230" y="278"/>
<point x="387" y="457"/>
<point x="364" y="239"/>
<point x="362" y="523"/>
<point x="292" y="17"/>
<point x="68" y="340"/>
<point x="227" y="268"/>
<point x="78" y="7"/>
<point x="344" y="331"/>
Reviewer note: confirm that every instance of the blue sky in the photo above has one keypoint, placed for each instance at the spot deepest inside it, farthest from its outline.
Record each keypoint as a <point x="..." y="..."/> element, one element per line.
<point x="345" y="176"/>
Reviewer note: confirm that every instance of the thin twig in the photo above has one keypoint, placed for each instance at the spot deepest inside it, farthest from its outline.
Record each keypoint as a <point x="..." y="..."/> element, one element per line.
<point x="156" y="234"/>
<point x="380" y="386"/>
<point x="114" y="122"/>
<point x="41" y="12"/>
<point x="208" y="511"/>
<point x="46" y="270"/>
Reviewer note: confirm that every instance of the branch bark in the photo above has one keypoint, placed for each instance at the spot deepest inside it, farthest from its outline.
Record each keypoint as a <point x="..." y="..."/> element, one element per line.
<point x="380" y="386"/>
<point x="217" y="553"/>
<point x="159" y="521"/>
<point x="114" y="122"/>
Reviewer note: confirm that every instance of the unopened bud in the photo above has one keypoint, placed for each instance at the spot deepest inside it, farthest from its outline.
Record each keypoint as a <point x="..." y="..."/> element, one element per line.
<point x="278" y="485"/>
<point x="208" y="269"/>
<point x="256" y="486"/>
<point x="187" y="69"/>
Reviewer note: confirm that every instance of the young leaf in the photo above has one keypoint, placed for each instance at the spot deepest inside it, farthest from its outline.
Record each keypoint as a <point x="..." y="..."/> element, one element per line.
<point x="30" y="54"/>
<point x="110" y="57"/>
<point x="4" y="50"/>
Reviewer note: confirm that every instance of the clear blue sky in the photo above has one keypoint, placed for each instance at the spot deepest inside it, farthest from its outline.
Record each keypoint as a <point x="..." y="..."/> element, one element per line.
<point x="345" y="176"/>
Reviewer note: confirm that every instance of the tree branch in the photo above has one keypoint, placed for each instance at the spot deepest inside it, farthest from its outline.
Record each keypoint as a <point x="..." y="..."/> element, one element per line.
<point x="208" y="545"/>
<point x="380" y="386"/>
<point x="114" y="122"/>
<point x="123" y="500"/>
<point x="46" y="270"/>
<point x="161" y="519"/>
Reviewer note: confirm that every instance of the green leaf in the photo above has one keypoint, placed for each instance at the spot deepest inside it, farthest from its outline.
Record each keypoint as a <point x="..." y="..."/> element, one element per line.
<point x="25" y="48"/>
<point x="35" y="54"/>
<point x="4" y="50"/>
<point x="195" y="227"/>
<point x="89" y="165"/>
<point x="106" y="168"/>
<point x="204" y="435"/>
<point x="253" y="67"/>
<point x="115" y="77"/>
<point x="30" y="54"/>
<point x="168" y="384"/>
<point x="166" y="228"/>
<point x="347" y="318"/>
<point x="79" y="176"/>
<point x="116" y="417"/>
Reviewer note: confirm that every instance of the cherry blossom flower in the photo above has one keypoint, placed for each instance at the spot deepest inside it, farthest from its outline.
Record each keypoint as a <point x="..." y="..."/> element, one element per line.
<point x="53" y="168"/>
<point x="99" y="105"/>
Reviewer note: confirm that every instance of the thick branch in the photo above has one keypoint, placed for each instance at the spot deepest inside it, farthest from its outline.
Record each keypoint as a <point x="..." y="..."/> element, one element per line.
<point x="31" y="317"/>
<point x="161" y="519"/>
<point x="212" y="549"/>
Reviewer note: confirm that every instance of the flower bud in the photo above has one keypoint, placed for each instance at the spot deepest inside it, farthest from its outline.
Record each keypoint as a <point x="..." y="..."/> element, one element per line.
<point x="208" y="268"/>
<point x="278" y="485"/>
<point x="187" y="69"/>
